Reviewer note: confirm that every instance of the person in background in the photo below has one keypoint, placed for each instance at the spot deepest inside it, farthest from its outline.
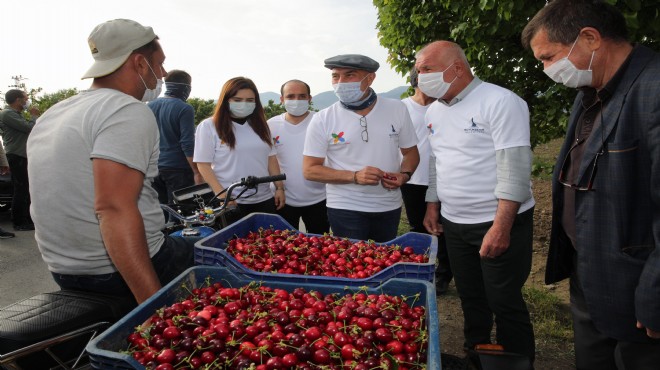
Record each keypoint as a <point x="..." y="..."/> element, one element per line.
<point x="414" y="191"/>
<point x="606" y="184"/>
<point x="4" y="169"/>
<point x="480" y="139"/>
<point x="364" y="148"/>
<point x="304" y="199"/>
<point x="15" y="130"/>
<point x="92" y="160"/>
<point x="235" y="143"/>
<point x="176" y="123"/>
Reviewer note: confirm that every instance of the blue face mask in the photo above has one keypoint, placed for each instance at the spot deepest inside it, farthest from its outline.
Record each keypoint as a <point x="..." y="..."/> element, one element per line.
<point x="349" y="92"/>
<point x="177" y="90"/>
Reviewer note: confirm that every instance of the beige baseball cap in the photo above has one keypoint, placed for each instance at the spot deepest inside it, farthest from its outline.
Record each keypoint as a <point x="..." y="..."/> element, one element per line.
<point x="112" y="42"/>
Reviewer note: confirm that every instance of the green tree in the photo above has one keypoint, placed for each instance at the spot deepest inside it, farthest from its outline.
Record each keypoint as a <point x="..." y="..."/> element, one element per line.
<point x="203" y="108"/>
<point x="273" y="109"/>
<point x="489" y="31"/>
<point x="48" y="100"/>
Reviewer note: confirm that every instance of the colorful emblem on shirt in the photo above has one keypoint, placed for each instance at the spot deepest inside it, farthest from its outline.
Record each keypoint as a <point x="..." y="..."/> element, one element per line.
<point x="276" y="140"/>
<point x="338" y="138"/>
<point x="431" y="130"/>
<point x="474" y="128"/>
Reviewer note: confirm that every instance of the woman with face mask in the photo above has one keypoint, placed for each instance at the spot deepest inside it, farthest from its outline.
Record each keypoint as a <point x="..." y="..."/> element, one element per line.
<point x="234" y="143"/>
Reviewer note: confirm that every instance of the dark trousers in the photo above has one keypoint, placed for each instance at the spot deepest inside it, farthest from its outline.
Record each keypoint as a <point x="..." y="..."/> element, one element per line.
<point x="315" y="217"/>
<point x="594" y="350"/>
<point x="173" y="258"/>
<point x="414" y="200"/>
<point x="20" y="204"/>
<point x="377" y="226"/>
<point x="231" y="216"/>
<point x="171" y="179"/>
<point x="493" y="287"/>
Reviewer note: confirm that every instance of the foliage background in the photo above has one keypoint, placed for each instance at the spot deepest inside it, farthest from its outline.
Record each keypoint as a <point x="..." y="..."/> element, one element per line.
<point x="489" y="31"/>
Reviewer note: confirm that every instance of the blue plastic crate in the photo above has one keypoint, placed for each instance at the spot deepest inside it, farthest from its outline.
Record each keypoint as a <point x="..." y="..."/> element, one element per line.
<point x="104" y="350"/>
<point x="211" y="251"/>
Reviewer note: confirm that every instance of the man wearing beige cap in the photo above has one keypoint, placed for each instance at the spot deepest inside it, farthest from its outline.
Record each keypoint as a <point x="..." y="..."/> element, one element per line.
<point x="92" y="159"/>
<point x="355" y="147"/>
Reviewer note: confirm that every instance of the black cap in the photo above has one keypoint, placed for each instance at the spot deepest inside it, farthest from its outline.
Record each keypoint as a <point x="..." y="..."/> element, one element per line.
<point x="352" y="61"/>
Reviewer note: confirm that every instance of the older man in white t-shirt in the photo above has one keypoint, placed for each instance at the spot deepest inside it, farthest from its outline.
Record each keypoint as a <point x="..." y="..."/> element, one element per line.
<point x="364" y="148"/>
<point x="479" y="133"/>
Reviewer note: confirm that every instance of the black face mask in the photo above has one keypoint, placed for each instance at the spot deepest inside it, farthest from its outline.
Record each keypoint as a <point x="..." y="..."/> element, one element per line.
<point x="177" y="90"/>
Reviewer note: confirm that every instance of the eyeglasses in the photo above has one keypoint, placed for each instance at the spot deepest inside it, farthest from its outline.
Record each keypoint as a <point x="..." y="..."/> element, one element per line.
<point x="365" y="133"/>
<point x="594" y="165"/>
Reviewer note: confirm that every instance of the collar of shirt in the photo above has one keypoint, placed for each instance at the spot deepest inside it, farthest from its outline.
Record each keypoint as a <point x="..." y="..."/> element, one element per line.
<point x="591" y="95"/>
<point x="461" y="95"/>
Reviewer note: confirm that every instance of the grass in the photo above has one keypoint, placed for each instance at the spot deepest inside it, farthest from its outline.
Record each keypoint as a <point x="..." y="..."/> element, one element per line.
<point x="545" y="157"/>
<point x="550" y="317"/>
<point x="404" y="227"/>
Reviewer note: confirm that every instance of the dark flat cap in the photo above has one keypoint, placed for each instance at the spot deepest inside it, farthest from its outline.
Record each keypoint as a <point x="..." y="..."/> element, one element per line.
<point x="356" y="61"/>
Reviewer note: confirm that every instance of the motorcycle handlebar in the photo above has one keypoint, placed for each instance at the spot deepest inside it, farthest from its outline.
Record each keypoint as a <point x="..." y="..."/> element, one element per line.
<point x="251" y="181"/>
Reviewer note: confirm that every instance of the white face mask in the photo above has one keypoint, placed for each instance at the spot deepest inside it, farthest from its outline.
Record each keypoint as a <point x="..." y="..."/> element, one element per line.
<point x="151" y="94"/>
<point x="296" y="108"/>
<point x="349" y="92"/>
<point x="241" y="109"/>
<point x="565" y="72"/>
<point x="433" y="84"/>
<point x="26" y="105"/>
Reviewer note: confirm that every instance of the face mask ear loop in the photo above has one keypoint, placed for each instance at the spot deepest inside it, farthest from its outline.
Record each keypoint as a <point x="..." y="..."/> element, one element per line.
<point x="592" y="59"/>
<point x="574" y="42"/>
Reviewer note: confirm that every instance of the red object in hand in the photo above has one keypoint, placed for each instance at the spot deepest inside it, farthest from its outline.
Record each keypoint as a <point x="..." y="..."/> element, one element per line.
<point x="388" y="177"/>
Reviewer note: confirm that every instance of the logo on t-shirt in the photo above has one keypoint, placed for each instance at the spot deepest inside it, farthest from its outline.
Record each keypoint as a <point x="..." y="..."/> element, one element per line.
<point x="431" y="130"/>
<point x="338" y="138"/>
<point x="474" y="128"/>
<point x="393" y="134"/>
<point x="276" y="140"/>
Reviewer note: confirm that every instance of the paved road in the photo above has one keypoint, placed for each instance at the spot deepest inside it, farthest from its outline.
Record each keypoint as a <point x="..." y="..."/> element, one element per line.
<point x="22" y="271"/>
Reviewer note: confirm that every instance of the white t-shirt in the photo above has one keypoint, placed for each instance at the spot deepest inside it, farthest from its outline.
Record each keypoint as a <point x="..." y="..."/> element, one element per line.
<point x="417" y="113"/>
<point x="289" y="141"/>
<point x="248" y="158"/>
<point x="335" y="134"/>
<point x="464" y="138"/>
<point x="102" y="123"/>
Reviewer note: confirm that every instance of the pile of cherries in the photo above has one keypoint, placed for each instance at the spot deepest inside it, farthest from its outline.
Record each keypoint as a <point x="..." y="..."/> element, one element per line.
<point x="261" y="328"/>
<point x="291" y="252"/>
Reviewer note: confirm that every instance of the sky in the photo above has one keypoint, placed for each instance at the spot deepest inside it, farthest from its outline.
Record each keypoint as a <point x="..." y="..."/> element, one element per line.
<point x="269" y="41"/>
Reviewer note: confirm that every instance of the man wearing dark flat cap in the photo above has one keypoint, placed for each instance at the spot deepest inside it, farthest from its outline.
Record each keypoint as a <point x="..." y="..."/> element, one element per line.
<point x="364" y="147"/>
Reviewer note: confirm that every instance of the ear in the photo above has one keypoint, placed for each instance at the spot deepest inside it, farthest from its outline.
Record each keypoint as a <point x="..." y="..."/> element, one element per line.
<point x="459" y="68"/>
<point x="139" y="62"/>
<point x="592" y="38"/>
<point x="281" y="100"/>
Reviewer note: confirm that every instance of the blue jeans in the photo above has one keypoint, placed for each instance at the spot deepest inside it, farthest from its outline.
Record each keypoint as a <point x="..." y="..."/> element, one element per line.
<point x="377" y="226"/>
<point x="175" y="256"/>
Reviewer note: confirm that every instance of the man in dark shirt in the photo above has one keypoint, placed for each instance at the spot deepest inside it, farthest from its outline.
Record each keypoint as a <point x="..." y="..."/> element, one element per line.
<point x="176" y="123"/>
<point x="15" y="130"/>
<point x="606" y="225"/>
